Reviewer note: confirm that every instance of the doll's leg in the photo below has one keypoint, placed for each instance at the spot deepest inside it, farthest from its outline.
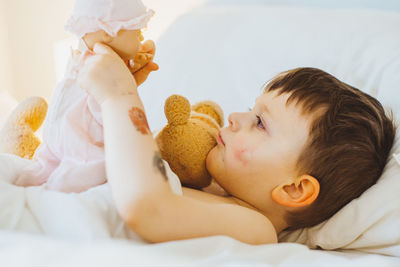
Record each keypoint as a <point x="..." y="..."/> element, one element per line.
<point x="40" y="169"/>
<point x="77" y="177"/>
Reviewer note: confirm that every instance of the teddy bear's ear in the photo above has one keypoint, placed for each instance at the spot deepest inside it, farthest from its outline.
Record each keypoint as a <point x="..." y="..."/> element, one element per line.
<point x="212" y="109"/>
<point x="177" y="110"/>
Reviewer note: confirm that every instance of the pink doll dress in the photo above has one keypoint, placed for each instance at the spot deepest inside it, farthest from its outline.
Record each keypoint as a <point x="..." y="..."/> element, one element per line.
<point x="71" y="156"/>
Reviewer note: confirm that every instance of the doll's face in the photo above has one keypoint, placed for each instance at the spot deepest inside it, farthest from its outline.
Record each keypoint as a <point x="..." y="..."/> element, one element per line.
<point x="125" y="44"/>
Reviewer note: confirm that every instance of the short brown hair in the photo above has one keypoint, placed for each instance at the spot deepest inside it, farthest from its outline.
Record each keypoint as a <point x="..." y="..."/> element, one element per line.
<point x="349" y="142"/>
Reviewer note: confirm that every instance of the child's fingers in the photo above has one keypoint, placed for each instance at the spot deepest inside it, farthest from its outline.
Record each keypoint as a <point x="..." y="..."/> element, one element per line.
<point x="152" y="66"/>
<point x="142" y="74"/>
<point x="102" y="49"/>
<point x="148" y="47"/>
<point x="87" y="54"/>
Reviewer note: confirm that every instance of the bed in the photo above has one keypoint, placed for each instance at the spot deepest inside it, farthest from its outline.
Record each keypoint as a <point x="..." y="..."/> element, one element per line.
<point x="225" y="50"/>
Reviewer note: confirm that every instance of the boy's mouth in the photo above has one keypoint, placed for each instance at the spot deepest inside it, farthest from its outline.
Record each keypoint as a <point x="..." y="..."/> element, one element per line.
<point x="219" y="139"/>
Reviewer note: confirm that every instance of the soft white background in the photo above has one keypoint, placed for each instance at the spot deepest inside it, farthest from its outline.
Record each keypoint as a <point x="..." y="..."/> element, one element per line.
<point x="202" y="55"/>
<point x="35" y="48"/>
<point x="31" y="32"/>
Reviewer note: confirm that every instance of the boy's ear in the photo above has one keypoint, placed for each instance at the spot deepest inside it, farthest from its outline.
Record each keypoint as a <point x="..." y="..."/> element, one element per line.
<point x="299" y="193"/>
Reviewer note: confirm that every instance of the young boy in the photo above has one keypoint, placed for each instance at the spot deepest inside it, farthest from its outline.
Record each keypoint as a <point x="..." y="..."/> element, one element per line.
<point x="309" y="146"/>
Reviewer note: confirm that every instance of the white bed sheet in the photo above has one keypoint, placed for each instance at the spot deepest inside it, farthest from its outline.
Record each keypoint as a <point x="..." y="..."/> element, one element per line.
<point x="47" y="228"/>
<point x="30" y="250"/>
<point x="88" y="232"/>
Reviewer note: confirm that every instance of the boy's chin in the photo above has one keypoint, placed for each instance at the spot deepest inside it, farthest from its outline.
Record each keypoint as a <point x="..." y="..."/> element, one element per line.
<point x="213" y="162"/>
<point x="211" y="159"/>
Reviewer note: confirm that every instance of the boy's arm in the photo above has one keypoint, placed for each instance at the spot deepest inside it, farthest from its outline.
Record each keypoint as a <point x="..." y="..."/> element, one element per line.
<point x="134" y="166"/>
<point x="136" y="172"/>
<point x="178" y="217"/>
<point x="142" y="194"/>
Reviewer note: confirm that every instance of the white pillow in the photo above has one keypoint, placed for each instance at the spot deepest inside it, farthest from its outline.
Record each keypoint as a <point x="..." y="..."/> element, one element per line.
<point x="370" y="223"/>
<point x="227" y="53"/>
<point x="390" y="5"/>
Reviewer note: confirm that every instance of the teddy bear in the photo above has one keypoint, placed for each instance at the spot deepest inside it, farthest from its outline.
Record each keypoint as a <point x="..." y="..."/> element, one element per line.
<point x="184" y="142"/>
<point x="17" y="135"/>
<point x="188" y="137"/>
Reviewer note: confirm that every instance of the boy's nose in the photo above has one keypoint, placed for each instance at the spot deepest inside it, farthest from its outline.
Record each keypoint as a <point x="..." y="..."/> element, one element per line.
<point x="234" y="122"/>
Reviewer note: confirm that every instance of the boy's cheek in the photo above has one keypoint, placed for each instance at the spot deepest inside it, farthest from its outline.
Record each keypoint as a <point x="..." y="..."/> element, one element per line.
<point x="242" y="152"/>
<point x="242" y="155"/>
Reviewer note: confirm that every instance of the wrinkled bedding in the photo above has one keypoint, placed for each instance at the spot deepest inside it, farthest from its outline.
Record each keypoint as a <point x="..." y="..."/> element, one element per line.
<point x="47" y="228"/>
<point x="57" y="229"/>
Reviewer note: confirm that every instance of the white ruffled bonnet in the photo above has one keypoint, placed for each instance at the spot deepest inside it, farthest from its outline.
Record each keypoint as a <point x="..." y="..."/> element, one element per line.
<point x="108" y="15"/>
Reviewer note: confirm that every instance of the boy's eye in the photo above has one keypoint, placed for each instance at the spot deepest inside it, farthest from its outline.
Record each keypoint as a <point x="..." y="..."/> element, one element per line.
<point x="259" y="122"/>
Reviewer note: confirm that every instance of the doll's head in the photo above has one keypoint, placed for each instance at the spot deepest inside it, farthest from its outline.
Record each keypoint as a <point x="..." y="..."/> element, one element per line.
<point x="117" y="23"/>
<point x="125" y="43"/>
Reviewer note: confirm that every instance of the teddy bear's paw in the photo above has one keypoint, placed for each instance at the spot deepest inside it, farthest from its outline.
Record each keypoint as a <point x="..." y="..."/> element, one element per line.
<point x="17" y="135"/>
<point x="32" y="112"/>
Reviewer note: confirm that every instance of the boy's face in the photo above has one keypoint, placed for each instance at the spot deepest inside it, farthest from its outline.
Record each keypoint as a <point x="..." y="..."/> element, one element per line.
<point x="259" y="149"/>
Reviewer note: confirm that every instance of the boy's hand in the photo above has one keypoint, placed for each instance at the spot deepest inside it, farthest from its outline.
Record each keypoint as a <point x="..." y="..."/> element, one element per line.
<point x="147" y="48"/>
<point x="104" y="74"/>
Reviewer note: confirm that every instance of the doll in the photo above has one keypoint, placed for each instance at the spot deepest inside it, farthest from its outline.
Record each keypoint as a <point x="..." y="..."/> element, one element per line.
<point x="71" y="156"/>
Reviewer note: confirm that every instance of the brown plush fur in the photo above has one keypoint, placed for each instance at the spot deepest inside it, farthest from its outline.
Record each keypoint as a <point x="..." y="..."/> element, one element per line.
<point x="188" y="137"/>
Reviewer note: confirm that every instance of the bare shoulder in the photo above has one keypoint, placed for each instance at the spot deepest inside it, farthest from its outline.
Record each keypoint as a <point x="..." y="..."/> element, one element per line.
<point x="207" y="197"/>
